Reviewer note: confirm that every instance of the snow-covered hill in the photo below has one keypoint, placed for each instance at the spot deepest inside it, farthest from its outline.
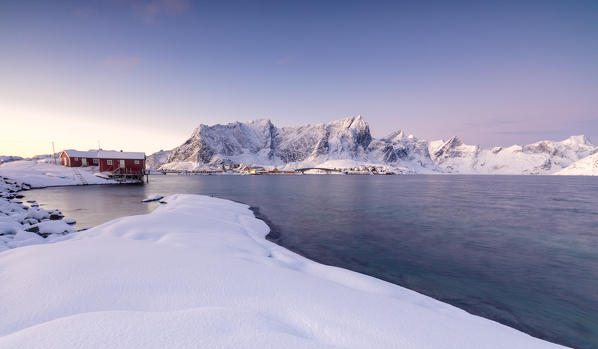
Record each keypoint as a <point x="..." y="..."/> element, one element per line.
<point x="154" y="161"/>
<point x="9" y="158"/>
<point x="348" y="143"/>
<point x="585" y="167"/>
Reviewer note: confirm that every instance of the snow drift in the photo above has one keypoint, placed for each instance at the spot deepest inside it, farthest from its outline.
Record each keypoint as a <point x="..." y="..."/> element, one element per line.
<point x="197" y="272"/>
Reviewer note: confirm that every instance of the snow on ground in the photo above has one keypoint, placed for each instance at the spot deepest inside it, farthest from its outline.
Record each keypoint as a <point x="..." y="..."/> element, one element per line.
<point x="44" y="173"/>
<point x="198" y="273"/>
<point x="585" y="167"/>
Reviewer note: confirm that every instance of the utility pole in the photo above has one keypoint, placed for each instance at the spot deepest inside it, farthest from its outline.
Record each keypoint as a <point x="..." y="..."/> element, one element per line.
<point x="53" y="153"/>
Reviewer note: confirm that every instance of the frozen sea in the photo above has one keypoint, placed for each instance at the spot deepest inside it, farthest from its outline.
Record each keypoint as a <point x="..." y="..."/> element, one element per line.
<point x="521" y="250"/>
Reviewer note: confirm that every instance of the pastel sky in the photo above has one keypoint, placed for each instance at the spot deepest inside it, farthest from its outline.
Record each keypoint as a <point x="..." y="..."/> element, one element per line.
<point x="140" y="75"/>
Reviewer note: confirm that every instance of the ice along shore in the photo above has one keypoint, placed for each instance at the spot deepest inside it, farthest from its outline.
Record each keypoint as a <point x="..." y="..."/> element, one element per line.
<point x="198" y="272"/>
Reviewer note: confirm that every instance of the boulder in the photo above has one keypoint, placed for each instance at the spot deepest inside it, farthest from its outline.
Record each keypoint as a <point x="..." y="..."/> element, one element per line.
<point x="56" y="216"/>
<point x="57" y="227"/>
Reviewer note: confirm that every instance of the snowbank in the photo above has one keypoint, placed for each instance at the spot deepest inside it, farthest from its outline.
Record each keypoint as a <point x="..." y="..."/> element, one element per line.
<point x="198" y="273"/>
<point x="44" y="173"/>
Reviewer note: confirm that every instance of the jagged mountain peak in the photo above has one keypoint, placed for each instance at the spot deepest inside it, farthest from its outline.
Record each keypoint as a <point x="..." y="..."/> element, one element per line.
<point x="357" y="122"/>
<point x="578" y="140"/>
<point x="255" y="122"/>
<point x="454" y="142"/>
<point x="349" y="122"/>
<point x="398" y="135"/>
<point x="447" y="146"/>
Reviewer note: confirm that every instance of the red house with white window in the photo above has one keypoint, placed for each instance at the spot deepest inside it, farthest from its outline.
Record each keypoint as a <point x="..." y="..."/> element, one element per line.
<point x="77" y="158"/>
<point x="119" y="162"/>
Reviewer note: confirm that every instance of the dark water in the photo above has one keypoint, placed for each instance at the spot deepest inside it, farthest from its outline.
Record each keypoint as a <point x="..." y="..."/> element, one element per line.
<point x="522" y="250"/>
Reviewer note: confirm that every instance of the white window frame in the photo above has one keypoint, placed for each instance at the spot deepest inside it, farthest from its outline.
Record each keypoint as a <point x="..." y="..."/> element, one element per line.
<point x="95" y="161"/>
<point x="136" y="162"/>
<point x="109" y="162"/>
<point x="76" y="159"/>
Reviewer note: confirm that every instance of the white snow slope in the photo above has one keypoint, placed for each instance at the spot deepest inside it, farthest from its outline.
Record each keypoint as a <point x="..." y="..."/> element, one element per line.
<point x="44" y="173"/>
<point x="198" y="273"/>
<point x="585" y="167"/>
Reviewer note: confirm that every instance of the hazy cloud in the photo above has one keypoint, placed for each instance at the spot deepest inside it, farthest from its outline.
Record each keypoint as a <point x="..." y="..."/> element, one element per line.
<point x="122" y="61"/>
<point x="149" y="11"/>
<point x="491" y="122"/>
<point x="283" y="60"/>
<point x="529" y="132"/>
<point x="83" y="12"/>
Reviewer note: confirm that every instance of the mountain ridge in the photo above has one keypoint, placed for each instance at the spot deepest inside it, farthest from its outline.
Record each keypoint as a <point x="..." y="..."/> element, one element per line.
<point x="347" y="143"/>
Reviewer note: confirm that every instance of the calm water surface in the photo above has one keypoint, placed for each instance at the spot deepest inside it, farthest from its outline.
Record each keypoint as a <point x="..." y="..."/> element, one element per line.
<point x="521" y="250"/>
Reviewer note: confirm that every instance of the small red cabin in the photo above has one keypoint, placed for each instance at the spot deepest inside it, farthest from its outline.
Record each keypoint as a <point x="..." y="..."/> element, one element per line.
<point x="76" y="158"/>
<point x="119" y="162"/>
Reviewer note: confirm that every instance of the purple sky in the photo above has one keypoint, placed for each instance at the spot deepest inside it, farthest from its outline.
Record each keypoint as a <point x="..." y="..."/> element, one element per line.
<point x="140" y="75"/>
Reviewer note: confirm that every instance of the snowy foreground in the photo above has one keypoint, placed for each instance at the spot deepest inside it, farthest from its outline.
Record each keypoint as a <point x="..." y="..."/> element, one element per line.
<point x="198" y="273"/>
<point x="44" y="173"/>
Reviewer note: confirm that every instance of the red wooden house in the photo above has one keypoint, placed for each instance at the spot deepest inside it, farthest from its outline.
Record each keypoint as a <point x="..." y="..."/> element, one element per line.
<point x="119" y="162"/>
<point x="77" y="158"/>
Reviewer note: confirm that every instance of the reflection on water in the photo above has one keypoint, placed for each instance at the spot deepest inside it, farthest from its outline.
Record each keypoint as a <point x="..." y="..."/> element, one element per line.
<point x="521" y="250"/>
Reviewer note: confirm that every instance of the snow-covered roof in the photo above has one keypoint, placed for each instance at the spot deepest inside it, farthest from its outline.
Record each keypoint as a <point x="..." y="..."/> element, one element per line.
<point x="81" y="154"/>
<point x="113" y="154"/>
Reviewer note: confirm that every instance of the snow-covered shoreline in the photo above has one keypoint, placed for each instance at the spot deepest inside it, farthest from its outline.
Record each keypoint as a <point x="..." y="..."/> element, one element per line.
<point x="23" y="224"/>
<point x="40" y="173"/>
<point x="198" y="272"/>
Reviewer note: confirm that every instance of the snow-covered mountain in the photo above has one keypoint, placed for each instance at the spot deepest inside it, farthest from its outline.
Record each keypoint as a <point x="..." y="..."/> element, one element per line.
<point x="348" y="143"/>
<point x="157" y="159"/>
<point x="587" y="166"/>
<point x="259" y="142"/>
<point x="403" y="153"/>
<point x="542" y="157"/>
